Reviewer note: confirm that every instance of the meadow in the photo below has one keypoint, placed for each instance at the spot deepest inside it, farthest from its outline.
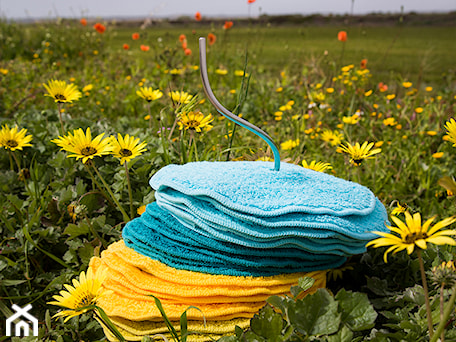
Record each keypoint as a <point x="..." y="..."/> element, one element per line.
<point x="393" y="86"/>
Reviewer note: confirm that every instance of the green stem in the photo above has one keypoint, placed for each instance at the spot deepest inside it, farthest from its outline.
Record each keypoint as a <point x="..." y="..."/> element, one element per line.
<point x="94" y="232"/>
<point x="446" y="314"/>
<point x="59" y="105"/>
<point x="101" y="315"/>
<point x="150" y="116"/>
<point x="17" y="161"/>
<point x="103" y="193"/>
<point x="442" y="288"/>
<point x="426" y="294"/>
<point x="19" y="170"/>
<point x="11" y="162"/>
<point x="124" y="214"/>
<point x="130" y="194"/>
<point x="196" y="149"/>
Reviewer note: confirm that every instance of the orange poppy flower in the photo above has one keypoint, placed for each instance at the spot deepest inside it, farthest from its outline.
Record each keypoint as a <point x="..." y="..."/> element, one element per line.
<point x="363" y="63"/>
<point x="342" y="36"/>
<point x="228" y="25"/>
<point x="145" y="48"/>
<point x="126" y="46"/>
<point x="250" y="1"/>
<point x="382" y="87"/>
<point x="100" y="28"/>
<point x="83" y="21"/>
<point x="198" y="16"/>
<point x="211" y="38"/>
<point x="187" y="52"/>
<point x="182" y="37"/>
<point x="135" y="36"/>
<point x="184" y="44"/>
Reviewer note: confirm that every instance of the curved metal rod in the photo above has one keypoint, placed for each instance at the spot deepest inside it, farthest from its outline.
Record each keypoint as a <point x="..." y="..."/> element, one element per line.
<point x="226" y="113"/>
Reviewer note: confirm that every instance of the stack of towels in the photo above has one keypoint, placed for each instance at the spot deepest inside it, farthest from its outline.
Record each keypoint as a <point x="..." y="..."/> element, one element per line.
<point x="224" y="236"/>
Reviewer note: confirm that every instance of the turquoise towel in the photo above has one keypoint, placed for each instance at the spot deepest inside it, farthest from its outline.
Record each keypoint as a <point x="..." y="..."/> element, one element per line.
<point x="255" y="188"/>
<point x="158" y="235"/>
<point x="318" y="246"/>
<point x="351" y="228"/>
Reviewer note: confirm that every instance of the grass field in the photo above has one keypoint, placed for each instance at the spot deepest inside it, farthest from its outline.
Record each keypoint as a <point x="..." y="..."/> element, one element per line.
<point x="304" y="87"/>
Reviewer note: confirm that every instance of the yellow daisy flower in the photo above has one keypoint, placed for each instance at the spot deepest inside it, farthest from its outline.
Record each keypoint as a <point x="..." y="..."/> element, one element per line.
<point x="82" y="146"/>
<point x="148" y="94"/>
<point x="289" y="144"/>
<point x="180" y="97"/>
<point x="390" y="121"/>
<point x="412" y="233"/>
<point x="195" y="121"/>
<point x="400" y="209"/>
<point x="221" y="71"/>
<point x="406" y="84"/>
<point x="127" y="148"/>
<point x="332" y="137"/>
<point x="265" y="158"/>
<point x="351" y="120"/>
<point x="87" y="88"/>
<point x="359" y="152"/>
<point x="82" y="296"/>
<point x="62" y="92"/>
<point x="11" y="139"/>
<point x="317" y="166"/>
<point x="451" y="131"/>
<point x="141" y="210"/>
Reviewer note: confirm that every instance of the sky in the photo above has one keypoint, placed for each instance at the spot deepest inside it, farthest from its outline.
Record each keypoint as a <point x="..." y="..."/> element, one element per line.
<point x="12" y="9"/>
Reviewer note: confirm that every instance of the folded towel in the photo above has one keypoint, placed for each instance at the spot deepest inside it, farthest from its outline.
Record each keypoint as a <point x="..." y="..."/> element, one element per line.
<point x="142" y="328"/>
<point x="256" y="188"/>
<point x="218" y="297"/>
<point x="158" y="235"/>
<point x="198" y="331"/>
<point x="347" y="228"/>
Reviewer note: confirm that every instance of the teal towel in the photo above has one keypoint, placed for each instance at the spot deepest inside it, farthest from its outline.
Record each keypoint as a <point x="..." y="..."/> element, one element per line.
<point x="157" y="234"/>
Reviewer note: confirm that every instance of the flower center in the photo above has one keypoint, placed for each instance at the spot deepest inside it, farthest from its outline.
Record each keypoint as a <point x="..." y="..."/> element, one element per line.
<point x="86" y="301"/>
<point x="193" y="123"/>
<point x="60" y="97"/>
<point x="88" y="151"/>
<point x="125" y="152"/>
<point x="357" y="161"/>
<point x="412" y="237"/>
<point x="12" y="143"/>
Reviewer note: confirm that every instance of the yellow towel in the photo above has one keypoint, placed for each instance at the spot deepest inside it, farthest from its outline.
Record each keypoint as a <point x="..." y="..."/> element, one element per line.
<point x="133" y="278"/>
<point x="134" y="331"/>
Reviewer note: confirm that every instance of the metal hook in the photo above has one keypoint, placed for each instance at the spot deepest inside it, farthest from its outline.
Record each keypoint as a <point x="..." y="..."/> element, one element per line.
<point x="226" y="113"/>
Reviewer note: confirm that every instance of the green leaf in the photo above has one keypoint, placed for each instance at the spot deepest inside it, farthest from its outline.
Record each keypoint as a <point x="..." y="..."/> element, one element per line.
<point x="74" y="230"/>
<point x="357" y="312"/>
<point x="278" y="302"/>
<point x="168" y="323"/>
<point x="267" y="323"/>
<point x="343" y="335"/>
<point x="296" y="290"/>
<point x="315" y="314"/>
<point x="448" y="183"/>
<point x="11" y="282"/>
<point x="86" y="253"/>
<point x="250" y="336"/>
<point x="306" y="283"/>
<point x="47" y="320"/>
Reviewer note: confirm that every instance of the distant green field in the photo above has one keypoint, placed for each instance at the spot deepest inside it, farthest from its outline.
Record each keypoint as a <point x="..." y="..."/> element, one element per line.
<point x="419" y="53"/>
